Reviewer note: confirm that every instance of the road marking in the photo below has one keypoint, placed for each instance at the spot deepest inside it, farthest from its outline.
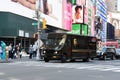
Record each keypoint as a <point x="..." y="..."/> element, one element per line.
<point x="90" y="66"/>
<point x="1" y="73"/>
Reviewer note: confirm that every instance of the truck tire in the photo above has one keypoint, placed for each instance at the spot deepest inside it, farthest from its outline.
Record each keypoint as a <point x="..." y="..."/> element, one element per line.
<point x="46" y="59"/>
<point x="113" y="57"/>
<point x="63" y="59"/>
<point x="86" y="60"/>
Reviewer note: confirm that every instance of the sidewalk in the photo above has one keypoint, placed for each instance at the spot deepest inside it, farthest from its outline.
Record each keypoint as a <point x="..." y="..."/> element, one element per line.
<point x="5" y="61"/>
<point x="25" y="57"/>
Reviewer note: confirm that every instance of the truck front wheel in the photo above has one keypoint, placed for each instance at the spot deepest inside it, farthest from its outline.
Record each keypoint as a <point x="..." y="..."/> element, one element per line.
<point x="63" y="58"/>
<point x="46" y="59"/>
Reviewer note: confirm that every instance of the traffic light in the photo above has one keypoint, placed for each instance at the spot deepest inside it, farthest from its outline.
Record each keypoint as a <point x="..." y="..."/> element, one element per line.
<point x="35" y="35"/>
<point x="44" y="24"/>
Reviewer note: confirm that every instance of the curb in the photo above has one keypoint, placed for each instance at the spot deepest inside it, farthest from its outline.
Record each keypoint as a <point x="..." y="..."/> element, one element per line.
<point x="4" y="61"/>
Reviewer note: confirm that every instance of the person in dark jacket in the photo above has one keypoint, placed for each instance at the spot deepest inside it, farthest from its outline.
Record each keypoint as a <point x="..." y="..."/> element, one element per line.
<point x="30" y="52"/>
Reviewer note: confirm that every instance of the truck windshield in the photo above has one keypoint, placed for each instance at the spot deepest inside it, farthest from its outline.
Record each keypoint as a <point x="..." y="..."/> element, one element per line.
<point x="52" y="42"/>
<point x="56" y="41"/>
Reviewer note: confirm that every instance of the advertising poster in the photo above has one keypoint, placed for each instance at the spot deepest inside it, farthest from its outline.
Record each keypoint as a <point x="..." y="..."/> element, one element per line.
<point x="90" y="8"/>
<point x="77" y="14"/>
<point x="92" y="22"/>
<point x="67" y="15"/>
<point x="51" y="10"/>
<point x="102" y="12"/>
<point x="16" y="8"/>
<point x="85" y="15"/>
<point x="89" y="17"/>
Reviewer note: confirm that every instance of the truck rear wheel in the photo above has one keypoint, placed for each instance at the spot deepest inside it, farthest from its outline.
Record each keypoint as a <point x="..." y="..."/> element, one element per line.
<point x="86" y="60"/>
<point x="72" y="60"/>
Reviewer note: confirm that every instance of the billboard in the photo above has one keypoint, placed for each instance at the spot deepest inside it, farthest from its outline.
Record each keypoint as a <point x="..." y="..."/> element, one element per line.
<point x="77" y="14"/>
<point x="90" y="14"/>
<point x="84" y="29"/>
<point x="116" y="24"/>
<point x="67" y="14"/>
<point x="102" y="12"/>
<point x="81" y="29"/>
<point x="51" y="10"/>
<point x="9" y="6"/>
<point x="76" y="29"/>
<point x="85" y="15"/>
<point x="78" y="2"/>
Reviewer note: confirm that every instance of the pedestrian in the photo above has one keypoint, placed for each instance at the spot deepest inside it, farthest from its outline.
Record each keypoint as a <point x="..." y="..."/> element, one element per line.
<point x="10" y="50"/>
<point x="14" y="51"/>
<point x="78" y="16"/>
<point x="3" y="45"/>
<point x="30" y="52"/>
<point x="34" y="50"/>
<point x="0" y="51"/>
<point x="98" y="28"/>
<point x="7" y="52"/>
<point x="21" y="53"/>
<point x="19" y="49"/>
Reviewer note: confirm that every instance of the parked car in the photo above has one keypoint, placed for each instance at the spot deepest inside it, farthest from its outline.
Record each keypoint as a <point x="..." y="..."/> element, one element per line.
<point x="117" y="53"/>
<point x="106" y="52"/>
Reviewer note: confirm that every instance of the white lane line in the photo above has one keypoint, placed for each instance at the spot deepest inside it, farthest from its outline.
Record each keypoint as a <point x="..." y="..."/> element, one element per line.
<point x="70" y="65"/>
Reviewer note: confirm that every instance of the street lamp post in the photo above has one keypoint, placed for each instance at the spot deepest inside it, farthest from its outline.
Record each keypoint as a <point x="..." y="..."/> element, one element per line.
<point x="39" y="30"/>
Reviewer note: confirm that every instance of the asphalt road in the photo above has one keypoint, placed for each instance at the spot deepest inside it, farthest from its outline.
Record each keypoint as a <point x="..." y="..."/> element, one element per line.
<point x="25" y="69"/>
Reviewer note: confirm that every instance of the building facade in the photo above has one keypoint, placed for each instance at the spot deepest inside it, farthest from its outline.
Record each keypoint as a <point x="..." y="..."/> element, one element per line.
<point x="16" y="23"/>
<point x="16" y="29"/>
<point x="113" y="15"/>
<point x="112" y="5"/>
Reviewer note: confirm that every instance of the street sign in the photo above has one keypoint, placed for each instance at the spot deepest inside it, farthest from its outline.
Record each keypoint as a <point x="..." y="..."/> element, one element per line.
<point x="34" y="24"/>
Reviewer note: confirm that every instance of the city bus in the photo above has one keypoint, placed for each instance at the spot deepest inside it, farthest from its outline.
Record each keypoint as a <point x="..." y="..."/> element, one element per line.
<point x="69" y="47"/>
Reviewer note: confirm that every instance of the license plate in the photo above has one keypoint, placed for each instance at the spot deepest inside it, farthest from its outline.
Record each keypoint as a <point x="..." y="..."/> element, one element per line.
<point x="54" y="57"/>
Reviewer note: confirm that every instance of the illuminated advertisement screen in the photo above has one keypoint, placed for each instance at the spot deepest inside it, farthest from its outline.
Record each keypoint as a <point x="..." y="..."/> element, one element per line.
<point x="81" y="29"/>
<point x="102" y="12"/>
<point x="78" y="2"/>
<point x="90" y="15"/>
<point x="85" y="15"/>
<point x="77" y="14"/>
<point x="67" y="14"/>
<point x="84" y="29"/>
<point x="76" y="29"/>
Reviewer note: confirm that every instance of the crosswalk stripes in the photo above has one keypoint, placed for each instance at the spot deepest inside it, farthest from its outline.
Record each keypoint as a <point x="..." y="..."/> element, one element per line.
<point x="100" y="67"/>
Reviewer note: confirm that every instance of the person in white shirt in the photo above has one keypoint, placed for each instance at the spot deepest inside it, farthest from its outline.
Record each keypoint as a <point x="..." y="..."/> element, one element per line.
<point x="34" y="50"/>
<point x="30" y="51"/>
